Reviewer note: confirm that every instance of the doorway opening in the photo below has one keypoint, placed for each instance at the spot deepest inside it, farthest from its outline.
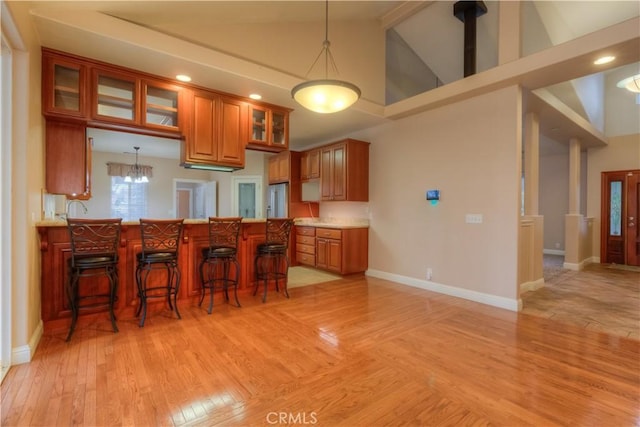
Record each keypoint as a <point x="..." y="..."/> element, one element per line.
<point x="194" y="198"/>
<point x="247" y="196"/>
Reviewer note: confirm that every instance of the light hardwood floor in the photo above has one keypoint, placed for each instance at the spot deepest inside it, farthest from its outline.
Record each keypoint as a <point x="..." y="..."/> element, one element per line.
<point x="599" y="297"/>
<point x="357" y="352"/>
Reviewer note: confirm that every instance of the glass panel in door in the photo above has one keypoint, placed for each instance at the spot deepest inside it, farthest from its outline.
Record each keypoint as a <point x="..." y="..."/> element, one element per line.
<point x="247" y="200"/>
<point x="161" y="107"/>
<point x="66" y="88"/>
<point x="278" y="128"/>
<point x="116" y="98"/>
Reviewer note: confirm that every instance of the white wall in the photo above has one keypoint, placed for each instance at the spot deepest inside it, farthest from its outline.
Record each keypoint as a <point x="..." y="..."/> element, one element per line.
<point x="470" y="151"/>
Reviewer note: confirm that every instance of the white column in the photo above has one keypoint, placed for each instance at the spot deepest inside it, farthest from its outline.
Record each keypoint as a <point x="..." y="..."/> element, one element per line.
<point x="531" y="163"/>
<point x="574" y="176"/>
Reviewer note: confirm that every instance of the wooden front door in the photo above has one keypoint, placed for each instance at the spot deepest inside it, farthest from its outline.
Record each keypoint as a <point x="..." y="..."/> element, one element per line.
<point x="620" y="230"/>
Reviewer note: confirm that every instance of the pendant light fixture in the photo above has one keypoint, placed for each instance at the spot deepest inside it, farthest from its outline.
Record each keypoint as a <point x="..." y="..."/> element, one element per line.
<point x="326" y="95"/>
<point x="136" y="175"/>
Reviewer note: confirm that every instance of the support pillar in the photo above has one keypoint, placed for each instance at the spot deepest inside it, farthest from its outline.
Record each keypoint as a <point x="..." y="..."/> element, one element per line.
<point x="573" y="219"/>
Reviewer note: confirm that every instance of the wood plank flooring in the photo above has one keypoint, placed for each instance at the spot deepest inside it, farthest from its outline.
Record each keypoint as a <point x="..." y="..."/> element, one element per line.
<point x="599" y="298"/>
<point x="357" y="352"/>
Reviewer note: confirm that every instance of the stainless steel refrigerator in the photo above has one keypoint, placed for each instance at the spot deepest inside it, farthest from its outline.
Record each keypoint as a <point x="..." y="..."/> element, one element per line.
<point x="278" y="200"/>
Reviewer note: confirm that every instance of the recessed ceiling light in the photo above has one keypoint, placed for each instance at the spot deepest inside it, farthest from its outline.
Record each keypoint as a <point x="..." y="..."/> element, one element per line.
<point x="604" y="60"/>
<point x="255" y="96"/>
<point x="183" y="78"/>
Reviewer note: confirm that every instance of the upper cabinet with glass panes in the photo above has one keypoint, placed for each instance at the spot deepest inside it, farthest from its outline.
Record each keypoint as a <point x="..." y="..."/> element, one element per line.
<point x="112" y="97"/>
<point x="64" y="87"/>
<point x="115" y="97"/>
<point x="268" y="128"/>
<point x="109" y="96"/>
<point x="160" y="105"/>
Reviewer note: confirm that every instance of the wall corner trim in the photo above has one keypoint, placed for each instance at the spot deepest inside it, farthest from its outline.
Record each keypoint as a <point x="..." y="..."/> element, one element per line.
<point x="24" y="353"/>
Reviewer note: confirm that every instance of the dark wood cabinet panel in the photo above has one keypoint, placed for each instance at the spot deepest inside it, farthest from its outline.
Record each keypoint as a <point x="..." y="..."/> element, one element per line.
<point x="310" y="165"/>
<point x="68" y="159"/>
<point x="280" y="168"/>
<point x="344" y="171"/>
<point x="233" y="131"/>
<point x="55" y="252"/>
<point x="217" y="131"/>
<point x="342" y="251"/>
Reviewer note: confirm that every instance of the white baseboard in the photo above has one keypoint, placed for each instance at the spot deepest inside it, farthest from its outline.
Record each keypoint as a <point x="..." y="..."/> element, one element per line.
<point x="492" y="300"/>
<point x="553" y="252"/>
<point x="580" y="266"/>
<point x="24" y="353"/>
<point x="532" y="286"/>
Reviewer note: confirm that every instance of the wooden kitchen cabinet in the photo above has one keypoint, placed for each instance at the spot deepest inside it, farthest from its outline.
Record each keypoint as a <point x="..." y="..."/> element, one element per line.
<point x="285" y="167"/>
<point x="65" y="88"/>
<point x="115" y="97"/>
<point x="279" y="168"/>
<point x="344" y="171"/>
<point x="268" y="128"/>
<point x="306" y="245"/>
<point x="68" y="159"/>
<point x="160" y="105"/>
<point x="344" y="251"/>
<point x="217" y="131"/>
<point x="310" y="165"/>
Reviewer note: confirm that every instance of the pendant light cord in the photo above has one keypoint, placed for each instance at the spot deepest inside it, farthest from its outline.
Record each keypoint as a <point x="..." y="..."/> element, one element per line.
<point x="326" y="44"/>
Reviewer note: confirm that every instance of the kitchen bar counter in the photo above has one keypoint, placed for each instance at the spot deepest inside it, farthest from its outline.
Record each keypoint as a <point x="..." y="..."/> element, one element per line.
<point x="56" y="250"/>
<point x="337" y="223"/>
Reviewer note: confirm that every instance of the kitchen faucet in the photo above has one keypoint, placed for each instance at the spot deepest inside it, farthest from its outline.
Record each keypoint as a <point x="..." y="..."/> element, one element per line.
<point x="70" y="202"/>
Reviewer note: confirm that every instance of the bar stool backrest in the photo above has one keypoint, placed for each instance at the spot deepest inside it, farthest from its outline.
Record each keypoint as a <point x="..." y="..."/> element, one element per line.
<point x="93" y="238"/>
<point x="224" y="232"/>
<point x="161" y="235"/>
<point x="278" y="230"/>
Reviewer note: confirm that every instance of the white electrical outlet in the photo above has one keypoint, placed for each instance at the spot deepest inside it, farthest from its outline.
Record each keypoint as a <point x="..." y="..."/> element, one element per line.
<point x="429" y="273"/>
<point x="473" y="218"/>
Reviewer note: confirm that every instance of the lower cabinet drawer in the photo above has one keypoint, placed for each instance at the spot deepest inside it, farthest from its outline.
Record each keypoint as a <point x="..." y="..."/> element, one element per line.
<point x="307" y="259"/>
<point x="307" y="249"/>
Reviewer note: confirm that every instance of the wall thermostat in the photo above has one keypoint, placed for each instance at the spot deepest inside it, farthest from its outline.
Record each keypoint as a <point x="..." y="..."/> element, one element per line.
<point x="433" y="194"/>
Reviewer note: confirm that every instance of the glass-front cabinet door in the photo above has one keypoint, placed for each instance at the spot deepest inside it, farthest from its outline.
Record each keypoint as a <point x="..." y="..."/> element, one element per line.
<point x="279" y="128"/>
<point x="64" y="88"/>
<point x="259" y="122"/>
<point x="115" y="97"/>
<point x="268" y="128"/>
<point x="160" y="105"/>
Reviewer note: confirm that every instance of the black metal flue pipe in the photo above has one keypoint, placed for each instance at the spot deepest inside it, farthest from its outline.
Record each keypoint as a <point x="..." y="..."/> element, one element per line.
<point x="468" y="12"/>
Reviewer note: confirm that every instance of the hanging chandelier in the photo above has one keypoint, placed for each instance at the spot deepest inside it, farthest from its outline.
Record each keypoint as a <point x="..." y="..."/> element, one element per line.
<point x="326" y="95"/>
<point x="136" y="174"/>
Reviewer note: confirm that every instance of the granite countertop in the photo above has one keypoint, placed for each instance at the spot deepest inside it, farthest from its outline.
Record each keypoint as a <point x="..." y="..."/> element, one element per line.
<point x="309" y="222"/>
<point x="333" y="222"/>
<point x="63" y="223"/>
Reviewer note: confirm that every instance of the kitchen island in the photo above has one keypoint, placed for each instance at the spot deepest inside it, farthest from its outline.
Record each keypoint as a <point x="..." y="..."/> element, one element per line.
<point x="56" y="250"/>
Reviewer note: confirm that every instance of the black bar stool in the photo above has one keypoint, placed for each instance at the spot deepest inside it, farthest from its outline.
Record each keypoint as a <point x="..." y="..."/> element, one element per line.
<point x="94" y="251"/>
<point x="160" y="243"/>
<point x="221" y="253"/>
<point x="272" y="261"/>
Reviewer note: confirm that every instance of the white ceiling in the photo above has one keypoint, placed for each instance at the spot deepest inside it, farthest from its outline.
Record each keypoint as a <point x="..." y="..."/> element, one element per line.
<point x="246" y="46"/>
